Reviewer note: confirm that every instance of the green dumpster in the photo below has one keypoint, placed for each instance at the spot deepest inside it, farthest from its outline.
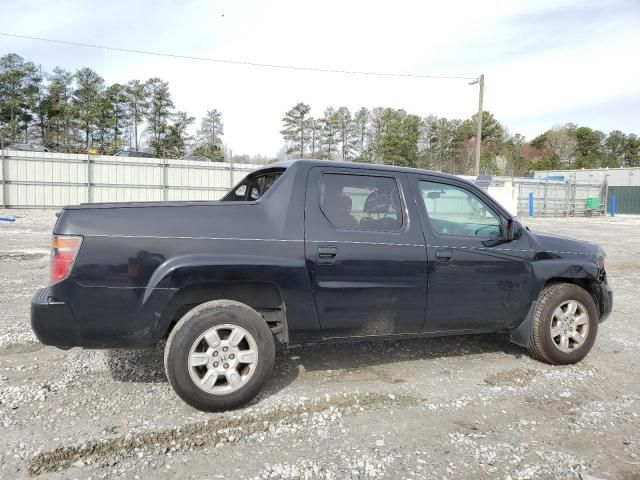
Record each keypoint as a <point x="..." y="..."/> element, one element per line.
<point x="593" y="203"/>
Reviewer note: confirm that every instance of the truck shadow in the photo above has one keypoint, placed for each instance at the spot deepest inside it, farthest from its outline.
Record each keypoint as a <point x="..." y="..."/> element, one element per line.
<point x="147" y="365"/>
<point x="361" y="358"/>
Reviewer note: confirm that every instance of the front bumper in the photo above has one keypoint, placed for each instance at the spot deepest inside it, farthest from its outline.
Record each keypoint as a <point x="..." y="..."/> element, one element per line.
<point x="53" y="321"/>
<point x="606" y="296"/>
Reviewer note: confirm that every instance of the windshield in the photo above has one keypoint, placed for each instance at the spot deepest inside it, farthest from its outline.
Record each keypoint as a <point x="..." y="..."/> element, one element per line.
<point x="252" y="187"/>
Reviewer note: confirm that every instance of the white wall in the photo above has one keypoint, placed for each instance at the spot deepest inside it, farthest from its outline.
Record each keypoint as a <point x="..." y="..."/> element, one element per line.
<point x="45" y="179"/>
<point x="507" y="196"/>
<point x="613" y="176"/>
<point x="505" y="193"/>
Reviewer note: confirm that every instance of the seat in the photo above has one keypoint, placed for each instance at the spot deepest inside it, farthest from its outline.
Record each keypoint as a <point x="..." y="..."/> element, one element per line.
<point x="338" y="210"/>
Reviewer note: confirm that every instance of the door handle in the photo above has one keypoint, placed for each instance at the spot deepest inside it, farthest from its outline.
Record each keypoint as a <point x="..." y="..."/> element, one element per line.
<point x="444" y="256"/>
<point x="327" y="254"/>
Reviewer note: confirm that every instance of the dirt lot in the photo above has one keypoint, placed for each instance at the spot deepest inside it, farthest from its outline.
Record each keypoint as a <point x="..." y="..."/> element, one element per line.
<point x="463" y="407"/>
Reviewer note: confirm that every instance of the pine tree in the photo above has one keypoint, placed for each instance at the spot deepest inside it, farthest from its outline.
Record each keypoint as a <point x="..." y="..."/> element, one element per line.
<point x="60" y="112"/>
<point x="118" y="102"/>
<point x="346" y="132"/>
<point x="330" y="134"/>
<point x="103" y="122"/>
<point x="209" y="137"/>
<point x="295" y="128"/>
<point x="632" y="151"/>
<point x="137" y="104"/>
<point x="158" y="113"/>
<point x="177" y="137"/>
<point x="399" y="141"/>
<point x="314" y="129"/>
<point x="19" y="87"/>
<point x="361" y="126"/>
<point x="89" y="87"/>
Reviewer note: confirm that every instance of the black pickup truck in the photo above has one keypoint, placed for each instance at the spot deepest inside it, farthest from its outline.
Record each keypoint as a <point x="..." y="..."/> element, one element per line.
<point x="312" y="251"/>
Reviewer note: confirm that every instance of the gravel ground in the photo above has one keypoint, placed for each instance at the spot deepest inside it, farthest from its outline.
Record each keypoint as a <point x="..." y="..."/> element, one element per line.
<point x="462" y="407"/>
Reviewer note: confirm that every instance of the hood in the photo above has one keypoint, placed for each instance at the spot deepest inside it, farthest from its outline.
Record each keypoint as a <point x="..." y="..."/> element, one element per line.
<point x="561" y="245"/>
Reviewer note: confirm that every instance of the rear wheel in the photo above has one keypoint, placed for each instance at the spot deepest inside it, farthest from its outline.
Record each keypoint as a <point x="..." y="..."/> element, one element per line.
<point x="219" y="355"/>
<point x="565" y="324"/>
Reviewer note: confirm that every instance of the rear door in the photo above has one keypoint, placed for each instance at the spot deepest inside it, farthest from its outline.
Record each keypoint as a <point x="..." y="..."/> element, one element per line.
<point x="477" y="279"/>
<point x="365" y="252"/>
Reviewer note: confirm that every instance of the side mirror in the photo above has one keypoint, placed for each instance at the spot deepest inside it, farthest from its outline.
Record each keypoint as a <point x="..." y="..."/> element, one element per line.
<point x="514" y="229"/>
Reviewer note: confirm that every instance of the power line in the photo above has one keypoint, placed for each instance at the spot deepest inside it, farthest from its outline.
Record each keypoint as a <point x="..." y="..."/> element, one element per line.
<point x="238" y="62"/>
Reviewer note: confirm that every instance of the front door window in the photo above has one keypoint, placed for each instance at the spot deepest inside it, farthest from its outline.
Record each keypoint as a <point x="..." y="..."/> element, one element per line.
<point x="456" y="211"/>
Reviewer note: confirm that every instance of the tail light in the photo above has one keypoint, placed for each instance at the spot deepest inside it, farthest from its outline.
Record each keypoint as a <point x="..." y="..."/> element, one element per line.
<point x="64" y="250"/>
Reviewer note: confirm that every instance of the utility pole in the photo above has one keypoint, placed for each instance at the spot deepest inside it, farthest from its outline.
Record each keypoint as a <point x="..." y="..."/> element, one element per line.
<point x="480" y="80"/>
<point x="231" y="183"/>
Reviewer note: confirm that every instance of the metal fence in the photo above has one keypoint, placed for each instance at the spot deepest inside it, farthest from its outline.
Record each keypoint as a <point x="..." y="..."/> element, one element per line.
<point x="627" y="199"/>
<point x="557" y="198"/>
<point x="45" y="179"/>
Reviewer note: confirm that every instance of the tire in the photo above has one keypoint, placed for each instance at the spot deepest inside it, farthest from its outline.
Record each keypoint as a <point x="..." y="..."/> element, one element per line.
<point x="553" y="320"/>
<point x="207" y="370"/>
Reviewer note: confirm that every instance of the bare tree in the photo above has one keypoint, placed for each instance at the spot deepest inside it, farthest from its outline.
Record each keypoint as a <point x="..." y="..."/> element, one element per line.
<point x="562" y="143"/>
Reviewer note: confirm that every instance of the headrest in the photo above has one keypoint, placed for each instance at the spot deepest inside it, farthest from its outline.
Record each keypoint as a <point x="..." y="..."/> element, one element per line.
<point x="345" y="202"/>
<point x="377" y="202"/>
<point x="338" y="202"/>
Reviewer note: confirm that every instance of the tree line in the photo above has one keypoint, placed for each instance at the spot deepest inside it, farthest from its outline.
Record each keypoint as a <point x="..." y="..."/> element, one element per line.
<point x="78" y="112"/>
<point x="392" y="136"/>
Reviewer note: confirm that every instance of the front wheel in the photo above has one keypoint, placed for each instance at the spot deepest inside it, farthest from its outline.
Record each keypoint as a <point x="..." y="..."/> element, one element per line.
<point x="565" y="324"/>
<point x="219" y="355"/>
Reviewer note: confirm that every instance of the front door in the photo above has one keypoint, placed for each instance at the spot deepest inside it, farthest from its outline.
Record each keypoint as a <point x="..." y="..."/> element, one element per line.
<point x="365" y="252"/>
<point x="478" y="280"/>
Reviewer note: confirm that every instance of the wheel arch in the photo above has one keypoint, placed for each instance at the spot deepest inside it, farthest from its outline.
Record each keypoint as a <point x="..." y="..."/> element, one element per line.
<point x="520" y="335"/>
<point x="588" y="284"/>
<point x="263" y="297"/>
<point x="585" y="274"/>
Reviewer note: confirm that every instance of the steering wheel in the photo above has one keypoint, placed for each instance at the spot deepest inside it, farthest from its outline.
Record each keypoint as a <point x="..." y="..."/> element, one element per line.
<point x="484" y="227"/>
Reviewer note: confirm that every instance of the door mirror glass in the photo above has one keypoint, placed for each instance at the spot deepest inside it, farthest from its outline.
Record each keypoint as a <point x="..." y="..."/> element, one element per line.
<point x="453" y="210"/>
<point x="514" y="230"/>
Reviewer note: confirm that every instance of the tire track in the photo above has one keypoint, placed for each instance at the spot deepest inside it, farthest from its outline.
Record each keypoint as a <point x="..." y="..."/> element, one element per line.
<point x="208" y="432"/>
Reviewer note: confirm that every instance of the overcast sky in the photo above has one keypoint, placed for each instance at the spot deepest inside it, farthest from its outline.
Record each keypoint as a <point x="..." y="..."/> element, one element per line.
<point x="545" y="62"/>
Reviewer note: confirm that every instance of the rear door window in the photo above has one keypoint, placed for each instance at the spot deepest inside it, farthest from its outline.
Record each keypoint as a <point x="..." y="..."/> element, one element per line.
<point x="361" y="202"/>
<point x="253" y="187"/>
<point x="239" y="194"/>
<point x="259" y="185"/>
